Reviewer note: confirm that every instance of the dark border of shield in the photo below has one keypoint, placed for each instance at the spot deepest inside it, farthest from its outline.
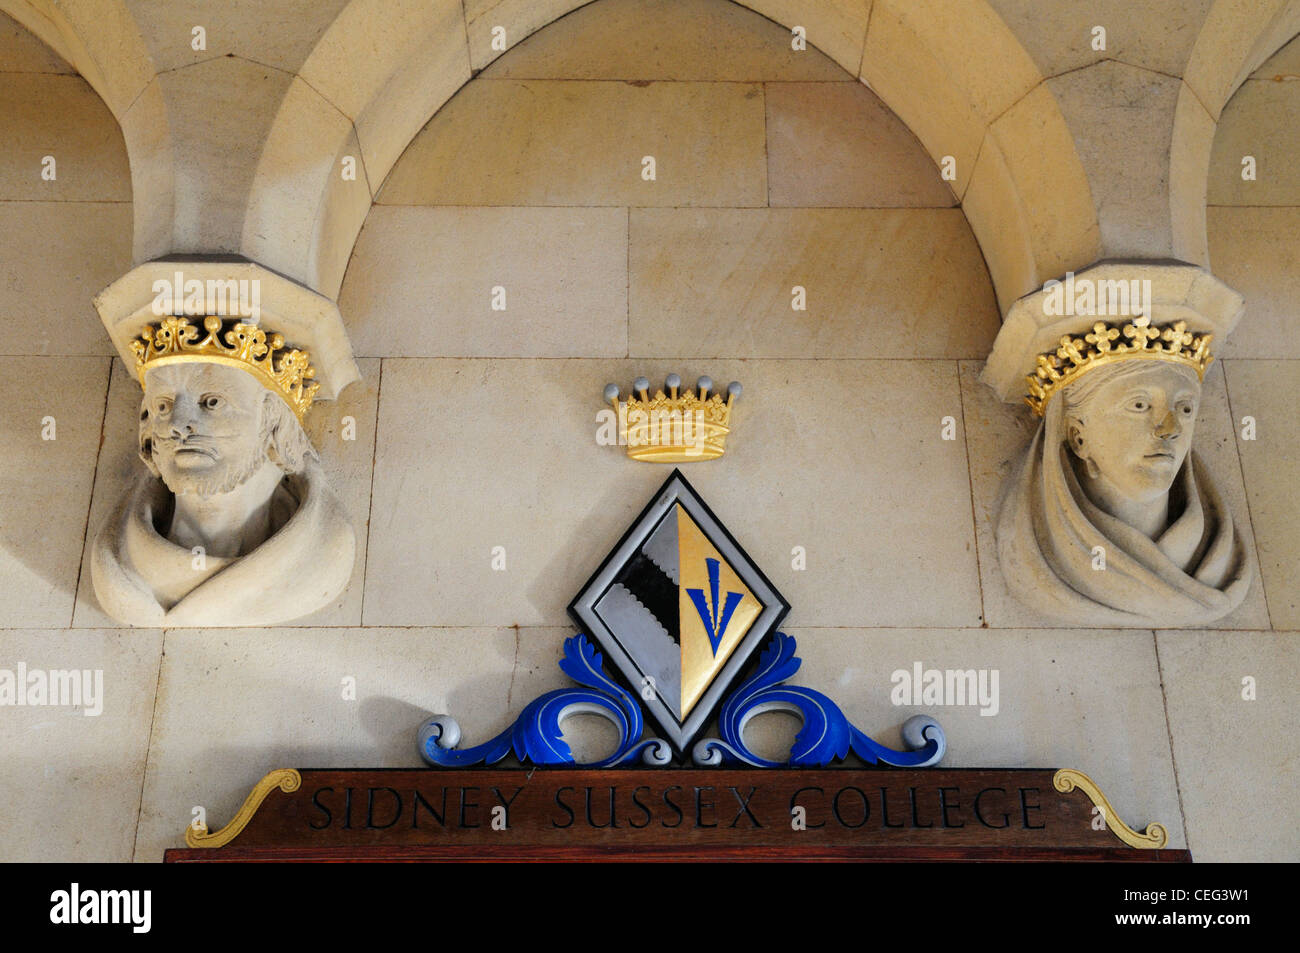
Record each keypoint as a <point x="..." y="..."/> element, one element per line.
<point x="677" y="489"/>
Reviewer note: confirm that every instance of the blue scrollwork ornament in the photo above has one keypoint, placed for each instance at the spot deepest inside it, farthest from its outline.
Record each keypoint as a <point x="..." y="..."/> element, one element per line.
<point x="826" y="736"/>
<point x="536" y="735"/>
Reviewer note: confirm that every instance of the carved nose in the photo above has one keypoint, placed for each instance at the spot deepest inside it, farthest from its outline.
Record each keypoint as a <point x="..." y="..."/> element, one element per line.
<point x="182" y="422"/>
<point x="1169" y="426"/>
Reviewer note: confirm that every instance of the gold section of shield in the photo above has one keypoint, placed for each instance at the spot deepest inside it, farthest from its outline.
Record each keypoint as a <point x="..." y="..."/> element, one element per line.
<point x="699" y="664"/>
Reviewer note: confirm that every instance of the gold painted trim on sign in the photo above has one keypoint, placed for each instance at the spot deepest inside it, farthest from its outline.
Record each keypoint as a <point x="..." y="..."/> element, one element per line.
<point x="1154" y="837"/>
<point x="286" y="779"/>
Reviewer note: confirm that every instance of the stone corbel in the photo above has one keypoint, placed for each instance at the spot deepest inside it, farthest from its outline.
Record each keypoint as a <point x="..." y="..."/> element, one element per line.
<point x="306" y="319"/>
<point x="1110" y="519"/>
<point x="232" y="522"/>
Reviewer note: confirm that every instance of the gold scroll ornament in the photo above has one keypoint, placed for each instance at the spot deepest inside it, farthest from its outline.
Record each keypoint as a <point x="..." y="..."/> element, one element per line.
<point x="1153" y="838"/>
<point x="286" y="779"/>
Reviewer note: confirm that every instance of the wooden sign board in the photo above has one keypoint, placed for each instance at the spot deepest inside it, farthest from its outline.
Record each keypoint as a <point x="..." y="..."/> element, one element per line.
<point x="676" y="814"/>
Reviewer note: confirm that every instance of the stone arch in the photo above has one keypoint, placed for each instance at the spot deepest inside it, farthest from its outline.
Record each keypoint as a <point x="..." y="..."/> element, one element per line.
<point x="65" y="200"/>
<point x="1232" y="44"/>
<point x="954" y="73"/>
<point x="101" y="42"/>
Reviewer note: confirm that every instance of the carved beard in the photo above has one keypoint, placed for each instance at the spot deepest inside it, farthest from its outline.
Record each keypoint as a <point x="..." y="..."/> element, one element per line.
<point x="228" y="478"/>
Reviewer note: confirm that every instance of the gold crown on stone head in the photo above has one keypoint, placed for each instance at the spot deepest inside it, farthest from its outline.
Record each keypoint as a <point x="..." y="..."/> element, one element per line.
<point x="1105" y="344"/>
<point x="286" y="372"/>
<point x="677" y="426"/>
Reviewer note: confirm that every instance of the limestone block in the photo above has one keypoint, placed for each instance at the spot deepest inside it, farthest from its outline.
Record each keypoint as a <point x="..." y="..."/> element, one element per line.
<point x="837" y="144"/>
<point x="670" y="40"/>
<point x="283" y="226"/>
<point x="1060" y="36"/>
<point x="353" y="57"/>
<point x="997" y="213"/>
<point x="22" y="52"/>
<point x="71" y="784"/>
<point x="998" y="437"/>
<point x="1261" y="120"/>
<point x="345" y="205"/>
<point x="583" y="144"/>
<point x="911" y="77"/>
<point x="343" y="433"/>
<point x="284" y="35"/>
<point x="217" y="731"/>
<point x="117" y="468"/>
<point x="520" y="18"/>
<point x="1130" y="185"/>
<point x="50" y="428"/>
<point x="981" y="56"/>
<point x="556" y="501"/>
<point x="45" y="114"/>
<point x="1189" y="167"/>
<point x="1235" y="40"/>
<point x="153" y="173"/>
<point x="101" y="40"/>
<point x="1083" y="699"/>
<point x="388" y="67"/>
<point x="718" y="282"/>
<point x="948" y="71"/>
<point x="54" y="256"/>
<point x="421" y="282"/>
<point x="1040" y="152"/>
<point x="1257" y="251"/>
<point x="1233" y="755"/>
<point x="215" y="108"/>
<point x="411" y="96"/>
<point x="1266" y="391"/>
<point x="1282" y="66"/>
<point x="835" y="27"/>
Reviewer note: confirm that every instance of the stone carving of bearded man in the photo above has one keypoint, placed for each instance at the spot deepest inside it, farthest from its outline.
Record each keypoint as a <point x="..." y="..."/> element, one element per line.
<point x="234" y="523"/>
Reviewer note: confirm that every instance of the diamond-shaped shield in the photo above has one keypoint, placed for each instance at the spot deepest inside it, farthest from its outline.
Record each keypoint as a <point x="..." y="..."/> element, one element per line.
<point x="679" y="609"/>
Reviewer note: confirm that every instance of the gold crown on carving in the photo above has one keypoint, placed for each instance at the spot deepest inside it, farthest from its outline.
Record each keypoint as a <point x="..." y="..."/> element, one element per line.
<point x="677" y="426"/>
<point x="1105" y="344"/>
<point x="287" y="373"/>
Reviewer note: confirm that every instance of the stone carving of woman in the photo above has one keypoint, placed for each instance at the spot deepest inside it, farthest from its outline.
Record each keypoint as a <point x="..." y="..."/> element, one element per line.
<point x="1110" y="519"/>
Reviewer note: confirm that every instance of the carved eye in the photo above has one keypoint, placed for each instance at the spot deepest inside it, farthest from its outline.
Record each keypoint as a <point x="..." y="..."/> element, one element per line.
<point x="1186" y="409"/>
<point x="162" y="406"/>
<point x="211" y="402"/>
<point x="1139" y="405"/>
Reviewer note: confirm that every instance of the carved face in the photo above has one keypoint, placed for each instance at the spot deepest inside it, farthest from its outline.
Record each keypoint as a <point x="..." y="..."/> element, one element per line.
<point x="1132" y="425"/>
<point x="202" y="425"/>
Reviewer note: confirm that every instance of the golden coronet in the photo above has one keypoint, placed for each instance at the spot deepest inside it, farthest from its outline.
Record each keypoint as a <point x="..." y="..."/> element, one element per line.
<point x="1153" y="838"/>
<point x="677" y="426"/>
<point x="1076" y="356"/>
<point x="176" y="340"/>
<point x="286" y="779"/>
